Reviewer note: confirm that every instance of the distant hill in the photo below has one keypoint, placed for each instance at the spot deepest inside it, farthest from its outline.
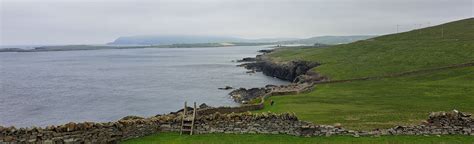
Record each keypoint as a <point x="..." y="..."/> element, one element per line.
<point x="68" y="48"/>
<point x="100" y="47"/>
<point x="186" y="39"/>
<point x="171" y="39"/>
<point x="329" y="40"/>
<point x="266" y="40"/>
<point x="183" y="39"/>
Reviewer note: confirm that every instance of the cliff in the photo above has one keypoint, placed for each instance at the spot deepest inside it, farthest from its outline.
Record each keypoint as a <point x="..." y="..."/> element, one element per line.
<point x="293" y="71"/>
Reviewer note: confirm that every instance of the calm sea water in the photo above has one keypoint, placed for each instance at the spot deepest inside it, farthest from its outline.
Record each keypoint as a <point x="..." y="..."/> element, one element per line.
<point x="44" y="88"/>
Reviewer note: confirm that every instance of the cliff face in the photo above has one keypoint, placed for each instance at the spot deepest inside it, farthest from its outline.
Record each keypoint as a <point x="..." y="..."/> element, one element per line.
<point x="297" y="72"/>
<point x="287" y="71"/>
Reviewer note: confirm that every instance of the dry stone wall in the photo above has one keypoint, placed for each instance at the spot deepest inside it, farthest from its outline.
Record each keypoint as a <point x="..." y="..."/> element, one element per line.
<point x="439" y="123"/>
<point x="226" y="110"/>
<point x="87" y="132"/>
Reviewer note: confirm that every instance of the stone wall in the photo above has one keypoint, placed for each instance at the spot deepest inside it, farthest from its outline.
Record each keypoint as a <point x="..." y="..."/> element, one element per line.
<point x="87" y="132"/>
<point x="439" y="123"/>
<point x="226" y="110"/>
<point x="265" y="123"/>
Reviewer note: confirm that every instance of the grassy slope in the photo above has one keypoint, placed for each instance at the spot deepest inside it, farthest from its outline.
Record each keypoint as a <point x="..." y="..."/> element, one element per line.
<point x="382" y="103"/>
<point x="424" y="48"/>
<point x="175" y="138"/>
<point x="376" y="103"/>
<point x="388" y="102"/>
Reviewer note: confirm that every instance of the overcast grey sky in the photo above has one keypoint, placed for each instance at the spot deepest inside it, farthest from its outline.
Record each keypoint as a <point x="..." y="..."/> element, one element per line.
<point x="25" y="22"/>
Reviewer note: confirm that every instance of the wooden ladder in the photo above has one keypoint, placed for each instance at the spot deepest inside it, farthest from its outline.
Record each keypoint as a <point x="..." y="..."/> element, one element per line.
<point x="187" y="122"/>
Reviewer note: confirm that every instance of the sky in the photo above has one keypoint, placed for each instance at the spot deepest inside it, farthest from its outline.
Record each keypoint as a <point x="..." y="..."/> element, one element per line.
<point x="41" y="22"/>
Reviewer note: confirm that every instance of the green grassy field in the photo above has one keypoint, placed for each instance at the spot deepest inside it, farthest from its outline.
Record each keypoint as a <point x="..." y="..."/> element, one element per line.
<point x="387" y="102"/>
<point x="175" y="138"/>
<point x="424" y="48"/>
<point x="382" y="103"/>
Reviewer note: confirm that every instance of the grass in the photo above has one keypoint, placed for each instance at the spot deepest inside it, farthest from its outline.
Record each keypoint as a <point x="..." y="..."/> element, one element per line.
<point x="175" y="138"/>
<point x="387" y="102"/>
<point x="382" y="103"/>
<point x="418" y="49"/>
<point x="361" y="105"/>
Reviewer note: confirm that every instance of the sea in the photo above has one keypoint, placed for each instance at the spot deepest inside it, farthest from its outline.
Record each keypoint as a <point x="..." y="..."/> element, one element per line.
<point x="57" y="87"/>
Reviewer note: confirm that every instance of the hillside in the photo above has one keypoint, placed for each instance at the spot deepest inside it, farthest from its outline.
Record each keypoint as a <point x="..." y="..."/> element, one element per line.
<point x="441" y="45"/>
<point x="381" y="103"/>
<point x="328" y="40"/>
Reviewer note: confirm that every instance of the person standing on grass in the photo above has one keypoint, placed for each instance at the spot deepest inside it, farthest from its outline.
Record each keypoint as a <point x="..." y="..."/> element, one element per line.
<point x="272" y="102"/>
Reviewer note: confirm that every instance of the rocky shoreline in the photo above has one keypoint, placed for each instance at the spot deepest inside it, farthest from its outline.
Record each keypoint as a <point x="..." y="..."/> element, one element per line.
<point x="297" y="72"/>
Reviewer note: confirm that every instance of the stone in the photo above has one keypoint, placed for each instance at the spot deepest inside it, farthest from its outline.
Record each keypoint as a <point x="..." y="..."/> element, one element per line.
<point x="69" y="141"/>
<point x="240" y="95"/>
<point x="356" y="135"/>
<point x="131" y="117"/>
<point x="226" y="88"/>
<point x="32" y="140"/>
<point x="203" y="105"/>
<point x="48" y="142"/>
<point x="8" y="139"/>
<point x="70" y="126"/>
<point x="247" y="59"/>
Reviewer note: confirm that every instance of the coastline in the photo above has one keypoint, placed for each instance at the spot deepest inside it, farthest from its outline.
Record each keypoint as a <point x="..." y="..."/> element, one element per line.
<point x="297" y="72"/>
<point x="142" y="100"/>
<point x="240" y="108"/>
<point x="102" y="47"/>
<point x="236" y="120"/>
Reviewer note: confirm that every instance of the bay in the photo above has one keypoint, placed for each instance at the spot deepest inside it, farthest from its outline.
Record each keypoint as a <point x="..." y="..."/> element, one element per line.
<point x="46" y="88"/>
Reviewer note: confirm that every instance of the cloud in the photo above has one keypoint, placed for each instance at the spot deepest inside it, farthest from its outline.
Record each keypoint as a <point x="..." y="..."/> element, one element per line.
<point x="101" y="21"/>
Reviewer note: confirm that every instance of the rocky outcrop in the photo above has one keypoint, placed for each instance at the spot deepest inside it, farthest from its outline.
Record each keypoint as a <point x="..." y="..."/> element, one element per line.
<point x="226" y="88"/>
<point x="287" y="71"/>
<point x="264" y="51"/>
<point x="204" y="105"/>
<point x="247" y="59"/>
<point x="297" y="72"/>
<point x="243" y="95"/>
